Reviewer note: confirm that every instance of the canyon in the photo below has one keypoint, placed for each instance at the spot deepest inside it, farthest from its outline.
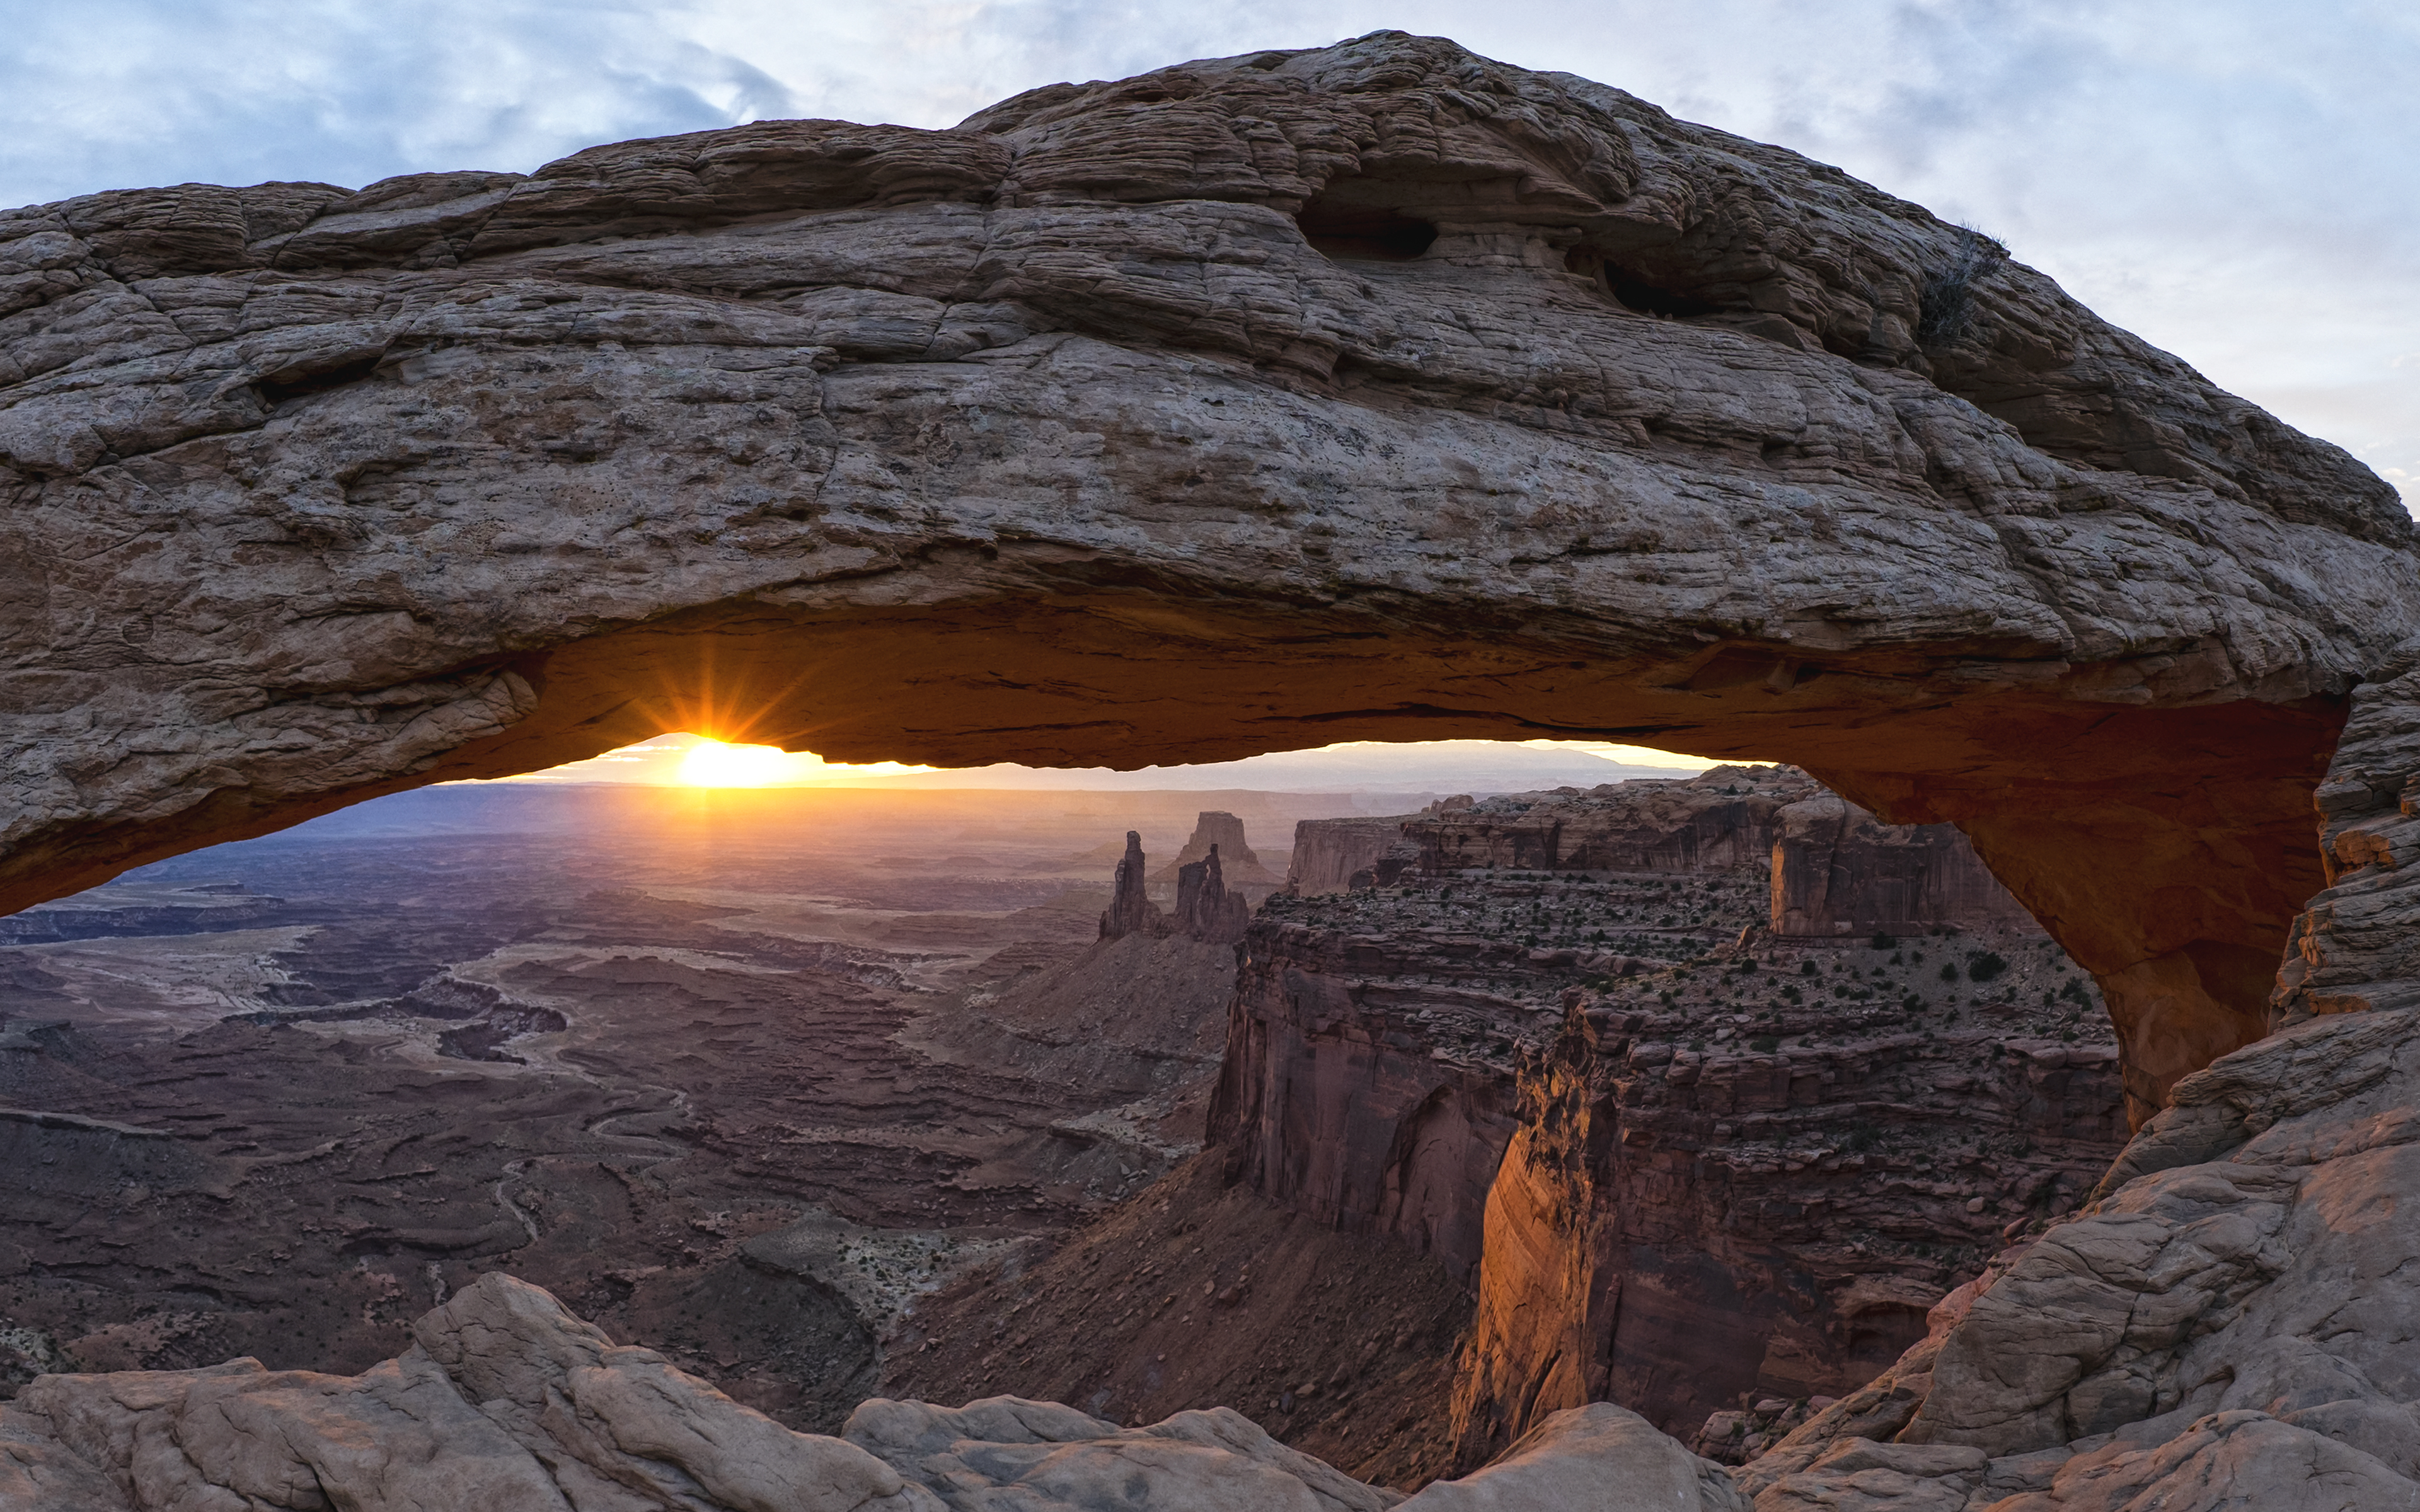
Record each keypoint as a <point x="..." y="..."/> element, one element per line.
<point x="738" y="1075"/>
<point x="1377" y="391"/>
<point x="1566" y="1065"/>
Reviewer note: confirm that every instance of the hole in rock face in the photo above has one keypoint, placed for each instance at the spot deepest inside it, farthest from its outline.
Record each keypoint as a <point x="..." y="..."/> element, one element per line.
<point x="1636" y="293"/>
<point x="1342" y="230"/>
<point x="280" y="387"/>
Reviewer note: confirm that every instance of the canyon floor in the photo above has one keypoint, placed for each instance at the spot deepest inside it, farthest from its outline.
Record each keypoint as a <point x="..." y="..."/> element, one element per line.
<point x="737" y="1075"/>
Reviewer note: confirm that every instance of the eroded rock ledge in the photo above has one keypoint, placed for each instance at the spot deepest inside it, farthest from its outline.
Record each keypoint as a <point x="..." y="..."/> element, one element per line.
<point x="1378" y="391"/>
<point x="2228" y="1327"/>
<point x="507" y="1400"/>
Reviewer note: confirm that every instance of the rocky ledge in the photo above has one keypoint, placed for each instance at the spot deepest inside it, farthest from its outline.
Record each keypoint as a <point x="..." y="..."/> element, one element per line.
<point x="2227" y="1327"/>
<point x="507" y="1400"/>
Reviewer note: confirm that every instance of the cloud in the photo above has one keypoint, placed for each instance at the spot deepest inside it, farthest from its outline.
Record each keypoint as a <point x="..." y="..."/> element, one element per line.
<point x="2227" y="178"/>
<point x="117" y="93"/>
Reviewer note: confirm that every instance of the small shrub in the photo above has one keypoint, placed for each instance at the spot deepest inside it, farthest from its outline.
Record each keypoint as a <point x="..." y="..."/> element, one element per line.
<point x="1949" y="971"/>
<point x="1764" y="1044"/>
<point x="1882" y="942"/>
<point x="1985" y="965"/>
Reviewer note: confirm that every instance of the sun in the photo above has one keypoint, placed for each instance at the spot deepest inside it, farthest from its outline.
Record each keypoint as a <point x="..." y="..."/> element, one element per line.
<point x="711" y="764"/>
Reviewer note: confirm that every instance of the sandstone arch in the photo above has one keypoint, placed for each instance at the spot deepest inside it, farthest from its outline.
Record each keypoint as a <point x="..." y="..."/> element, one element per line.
<point x="1051" y="437"/>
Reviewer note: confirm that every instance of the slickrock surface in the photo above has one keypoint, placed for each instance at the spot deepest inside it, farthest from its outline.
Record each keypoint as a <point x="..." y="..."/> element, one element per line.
<point x="1686" y="1164"/>
<point x="2230" y="1327"/>
<point x="1376" y="391"/>
<point x="507" y="1400"/>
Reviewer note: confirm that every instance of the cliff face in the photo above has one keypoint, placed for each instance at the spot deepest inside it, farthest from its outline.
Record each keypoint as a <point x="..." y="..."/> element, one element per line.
<point x="1837" y="871"/>
<point x="1330" y="854"/>
<point x="1679" y="1160"/>
<point x="1721" y="821"/>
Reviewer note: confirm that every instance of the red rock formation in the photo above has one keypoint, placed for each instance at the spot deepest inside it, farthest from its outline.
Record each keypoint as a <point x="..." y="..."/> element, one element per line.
<point x="1034" y="440"/>
<point x="1676" y="1170"/>
<point x="1719" y="821"/>
<point x="2356" y="949"/>
<point x="1131" y="910"/>
<point x="1204" y="908"/>
<point x="1838" y="870"/>
<point x="1224" y="833"/>
<point x="1329" y="854"/>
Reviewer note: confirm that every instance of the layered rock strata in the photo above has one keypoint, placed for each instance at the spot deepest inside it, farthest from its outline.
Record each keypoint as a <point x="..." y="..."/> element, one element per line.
<point x="2228" y="1327"/>
<point x="1338" y="854"/>
<point x="504" y="1400"/>
<point x="1223" y="833"/>
<point x="2357" y="948"/>
<point x="1836" y="871"/>
<point x="1372" y="392"/>
<point x="1722" y="821"/>
<point x="1681" y="1162"/>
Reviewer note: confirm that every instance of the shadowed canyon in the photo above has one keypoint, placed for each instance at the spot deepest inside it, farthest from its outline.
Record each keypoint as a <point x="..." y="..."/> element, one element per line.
<point x="2005" y="1106"/>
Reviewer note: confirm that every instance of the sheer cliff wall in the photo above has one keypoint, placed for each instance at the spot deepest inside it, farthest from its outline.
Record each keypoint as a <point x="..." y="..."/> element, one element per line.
<point x="1678" y="1158"/>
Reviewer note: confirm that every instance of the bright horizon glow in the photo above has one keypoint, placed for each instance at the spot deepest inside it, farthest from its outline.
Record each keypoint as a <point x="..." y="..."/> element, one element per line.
<point x="717" y="764"/>
<point x="1446" y="765"/>
<point x="711" y="764"/>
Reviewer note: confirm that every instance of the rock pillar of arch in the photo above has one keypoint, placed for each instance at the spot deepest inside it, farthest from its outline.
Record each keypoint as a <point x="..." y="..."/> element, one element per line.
<point x="1374" y="391"/>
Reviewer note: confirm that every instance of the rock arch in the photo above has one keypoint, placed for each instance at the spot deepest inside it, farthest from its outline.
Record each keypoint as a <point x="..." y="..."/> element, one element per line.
<point x="1051" y="437"/>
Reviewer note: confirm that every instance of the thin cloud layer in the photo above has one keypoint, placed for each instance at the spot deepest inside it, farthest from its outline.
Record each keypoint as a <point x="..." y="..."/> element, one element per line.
<point x="2228" y="178"/>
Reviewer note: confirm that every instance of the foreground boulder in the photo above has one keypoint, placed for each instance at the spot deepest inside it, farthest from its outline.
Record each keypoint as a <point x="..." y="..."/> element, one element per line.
<point x="507" y="1402"/>
<point x="2230" y="1327"/>
<point x="1378" y="391"/>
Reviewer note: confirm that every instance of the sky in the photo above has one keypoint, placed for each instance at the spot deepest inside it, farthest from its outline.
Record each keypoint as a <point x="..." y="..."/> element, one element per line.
<point x="1436" y="766"/>
<point x="2233" y="180"/>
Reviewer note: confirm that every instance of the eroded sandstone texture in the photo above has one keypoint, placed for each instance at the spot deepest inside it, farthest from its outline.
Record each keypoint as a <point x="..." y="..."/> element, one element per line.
<point x="507" y="1400"/>
<point x="2358" y="946"/>
<point x="2230" y="1327"/>
<point x="1378" y="391"/>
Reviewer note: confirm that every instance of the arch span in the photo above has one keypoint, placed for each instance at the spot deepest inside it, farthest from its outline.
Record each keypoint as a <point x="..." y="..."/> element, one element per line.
<point x="1052" y="438"/>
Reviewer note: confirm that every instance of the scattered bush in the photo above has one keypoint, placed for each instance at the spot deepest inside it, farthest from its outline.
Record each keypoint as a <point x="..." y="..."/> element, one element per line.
<point x="1949" y="971"/>
<point x="1882" y="942"/>
<point x="1764" y="1044"/>
<point x="1983" y="966"/>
